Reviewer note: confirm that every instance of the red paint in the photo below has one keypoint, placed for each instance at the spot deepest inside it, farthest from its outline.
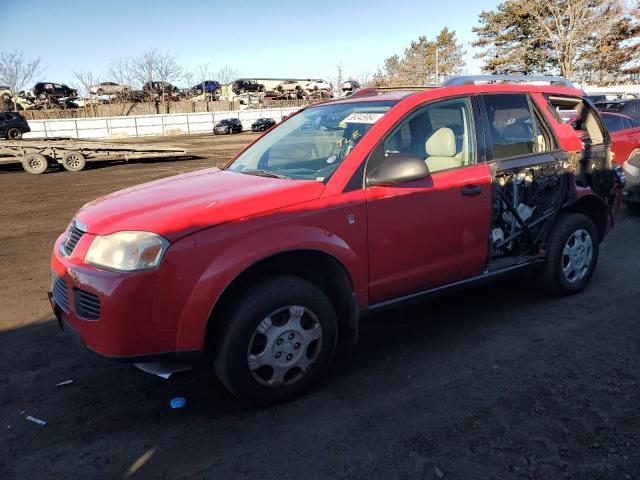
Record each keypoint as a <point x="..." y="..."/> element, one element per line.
<point x="391" y="241"/>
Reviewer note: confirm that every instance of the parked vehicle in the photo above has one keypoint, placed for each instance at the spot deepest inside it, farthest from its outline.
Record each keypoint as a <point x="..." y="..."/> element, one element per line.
<point x="631" y="107"/>
<point x="228" y="126"/>
<point x="315" y="85"/>
<point x="345" y="208"/>
<point x="262" y="124"/>
<point x="349" y="86"/>
<point x="110" y="88"/>
<point x="208" y="86"/>
<point x="241" y="86"/>
<point x="53" y="92"/>
<point x="631" y="193"/>
<point x="160" y="88"/>
<point x="13" y="125"/>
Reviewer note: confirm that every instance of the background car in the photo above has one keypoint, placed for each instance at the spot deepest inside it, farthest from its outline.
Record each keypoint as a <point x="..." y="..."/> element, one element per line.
<point x="208" y="86"/>
<point x="318" y="85"/>
<point x="160" y="88"/>
<point x="242" y="86"/>
<point x="262" y="124"/>
<point x="13" y="125"/>
<point x="228" y="126"/>
<point x="50" y="90"/>
<point x="629" y="107"/>
<point x="109" y="88"/>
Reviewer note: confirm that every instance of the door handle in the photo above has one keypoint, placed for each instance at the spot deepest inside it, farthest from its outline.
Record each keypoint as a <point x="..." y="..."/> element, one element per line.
<point x="471" y="190"/>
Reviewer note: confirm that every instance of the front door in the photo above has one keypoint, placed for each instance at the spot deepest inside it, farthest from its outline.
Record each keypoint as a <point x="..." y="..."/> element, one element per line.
<point x="433" y="231"/>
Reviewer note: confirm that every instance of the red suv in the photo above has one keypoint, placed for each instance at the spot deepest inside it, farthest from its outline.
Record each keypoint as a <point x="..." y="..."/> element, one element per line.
<point x="344" y="208"/>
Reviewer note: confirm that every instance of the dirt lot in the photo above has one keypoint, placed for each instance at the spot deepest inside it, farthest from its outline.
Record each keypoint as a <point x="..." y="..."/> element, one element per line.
<point x="496" y="382"/>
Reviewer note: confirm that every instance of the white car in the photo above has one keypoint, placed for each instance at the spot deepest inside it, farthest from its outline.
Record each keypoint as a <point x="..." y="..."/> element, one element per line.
<point x="315" y="85"/>
<point x="106" y="88"/>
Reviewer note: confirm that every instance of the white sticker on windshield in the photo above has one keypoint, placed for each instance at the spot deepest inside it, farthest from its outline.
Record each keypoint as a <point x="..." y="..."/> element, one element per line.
<point x="363" y="118"/>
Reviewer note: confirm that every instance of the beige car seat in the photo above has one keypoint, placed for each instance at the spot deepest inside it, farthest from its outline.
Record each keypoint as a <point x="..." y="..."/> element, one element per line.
<point x="441" y="150"/>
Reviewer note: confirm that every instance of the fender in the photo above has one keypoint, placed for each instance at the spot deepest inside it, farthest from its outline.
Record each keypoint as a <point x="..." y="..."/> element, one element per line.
<point x="241" y="244"/>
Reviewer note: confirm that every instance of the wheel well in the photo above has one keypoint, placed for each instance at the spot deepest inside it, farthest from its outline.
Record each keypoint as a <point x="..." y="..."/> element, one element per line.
<point x="319" y="268"/>
<point x="594" y="208"/>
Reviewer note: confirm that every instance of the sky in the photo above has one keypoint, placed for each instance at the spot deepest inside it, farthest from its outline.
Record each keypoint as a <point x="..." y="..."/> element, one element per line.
<point x="266" y="38"/>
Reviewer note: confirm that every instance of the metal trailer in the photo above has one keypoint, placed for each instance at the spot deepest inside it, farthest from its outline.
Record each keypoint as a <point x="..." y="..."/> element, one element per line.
<point x="37" y="154"/>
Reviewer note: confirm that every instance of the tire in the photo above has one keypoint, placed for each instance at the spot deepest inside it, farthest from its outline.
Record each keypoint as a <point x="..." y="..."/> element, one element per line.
<point x="572" y="254"/>
<point x="14" y="134"/>
<point x="74" y="161"/>
<point x="35" y="163"/>
<point x="300" y="355"/>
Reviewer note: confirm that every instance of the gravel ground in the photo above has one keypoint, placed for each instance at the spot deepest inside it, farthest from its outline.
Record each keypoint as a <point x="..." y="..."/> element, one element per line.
<point x="495" y="382"/>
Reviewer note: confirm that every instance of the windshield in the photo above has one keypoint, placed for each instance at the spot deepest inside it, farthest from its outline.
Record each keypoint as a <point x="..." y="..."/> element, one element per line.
<point x="312" y="144"/>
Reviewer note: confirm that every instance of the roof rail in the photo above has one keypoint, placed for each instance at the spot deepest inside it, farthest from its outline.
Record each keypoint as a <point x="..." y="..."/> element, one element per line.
<point x="473" y="79"/>
<point x="373" y="91"/>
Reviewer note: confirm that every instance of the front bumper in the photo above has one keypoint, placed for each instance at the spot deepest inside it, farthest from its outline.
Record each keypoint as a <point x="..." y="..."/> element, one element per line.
<point x="122" y="328"/>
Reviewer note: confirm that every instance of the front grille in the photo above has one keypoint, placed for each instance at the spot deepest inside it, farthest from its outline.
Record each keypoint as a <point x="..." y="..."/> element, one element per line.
<point x="87" y="304"/>
<point x="60" y="293"/>
<point x="73" y="237"/>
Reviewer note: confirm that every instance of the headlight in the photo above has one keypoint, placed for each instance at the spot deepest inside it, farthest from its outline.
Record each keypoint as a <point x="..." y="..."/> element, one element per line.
<point x="127" y="251"/>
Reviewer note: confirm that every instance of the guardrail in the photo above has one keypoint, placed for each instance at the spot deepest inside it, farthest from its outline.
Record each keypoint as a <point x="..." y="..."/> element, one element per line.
<point x="148" y="125"/>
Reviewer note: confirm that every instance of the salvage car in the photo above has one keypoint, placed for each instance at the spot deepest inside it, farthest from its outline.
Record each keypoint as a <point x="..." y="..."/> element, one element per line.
<point x="13" y="125"/>
<point x="110" y="88"/>
<point x="53" y="91"/>
<point x="208" y="86"/>
<point x="242" y="86"/>
<point x="262" y="124"/>
<point x="228" y="126"/>
<point x="259" y="269"/>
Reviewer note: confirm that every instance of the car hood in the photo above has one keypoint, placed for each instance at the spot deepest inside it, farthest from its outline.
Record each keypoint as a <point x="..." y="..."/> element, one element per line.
<point x="177" y="206"/>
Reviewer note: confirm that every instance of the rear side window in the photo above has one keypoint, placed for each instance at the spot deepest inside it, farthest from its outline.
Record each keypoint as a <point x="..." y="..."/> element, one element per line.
<point x="514" y="128"/>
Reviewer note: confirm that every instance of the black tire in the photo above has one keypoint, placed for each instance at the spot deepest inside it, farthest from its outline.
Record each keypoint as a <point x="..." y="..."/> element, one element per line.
<point x="552" y="275"/>
<point x="248" y="314"/>
<point x="14" y="133"/>
<point x="74" y="161"/>
<point x="35" y="163"/>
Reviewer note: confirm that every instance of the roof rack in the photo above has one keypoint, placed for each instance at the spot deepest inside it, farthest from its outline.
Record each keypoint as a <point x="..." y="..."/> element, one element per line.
<point x="473" y="79"/>
<point x="373" y="91"/>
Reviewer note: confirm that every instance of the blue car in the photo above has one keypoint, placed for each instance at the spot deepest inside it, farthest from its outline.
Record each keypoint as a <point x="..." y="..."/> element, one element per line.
<point x="208" y="86"/>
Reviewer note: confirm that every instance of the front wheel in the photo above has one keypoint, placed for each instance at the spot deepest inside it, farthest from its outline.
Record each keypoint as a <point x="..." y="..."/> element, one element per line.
<point x="572" y="254"/>
<point x="279" y="338"/>
<point x="74" y="161"/>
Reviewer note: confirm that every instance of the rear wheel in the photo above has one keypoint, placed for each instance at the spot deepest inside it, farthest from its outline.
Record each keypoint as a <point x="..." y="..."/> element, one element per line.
<point x="35" y="163"/>
<point x="14" y="134"/>
<point x="74" y="161"/>
<point x="572" y="254"/>
<point x="279" y="339"/>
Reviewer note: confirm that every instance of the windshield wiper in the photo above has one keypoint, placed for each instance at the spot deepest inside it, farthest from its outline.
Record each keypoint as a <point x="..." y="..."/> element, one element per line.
<point x="263" y="173"/>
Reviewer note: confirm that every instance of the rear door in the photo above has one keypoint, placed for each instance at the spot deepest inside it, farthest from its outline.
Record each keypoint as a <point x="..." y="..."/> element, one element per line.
<point x="434" y="231"/>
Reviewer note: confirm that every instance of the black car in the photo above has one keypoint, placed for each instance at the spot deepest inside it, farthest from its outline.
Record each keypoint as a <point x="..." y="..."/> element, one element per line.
<point x="242" y="86"/>
<point x="228" y="125"/>
<point x="49" y="90"/>
<point x="262" y="124"/>
<point x="159" y="88"/>
<point x="630" y="107"/>
<point x="13" y="125"/>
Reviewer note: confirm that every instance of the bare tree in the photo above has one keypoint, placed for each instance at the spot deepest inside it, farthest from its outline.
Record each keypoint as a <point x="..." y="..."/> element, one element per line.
<point x="86" y="81"/>
<point x="153" y="66"/>
<point x="120" y="71"/>
<point x="338" y="79"/>
<point x="227" y="74"/>
<point x="16" y="72"/>
<point x="364" y="78"/>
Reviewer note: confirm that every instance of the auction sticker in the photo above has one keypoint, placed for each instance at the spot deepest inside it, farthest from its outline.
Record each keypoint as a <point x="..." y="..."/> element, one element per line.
<point x="363" y="118"/>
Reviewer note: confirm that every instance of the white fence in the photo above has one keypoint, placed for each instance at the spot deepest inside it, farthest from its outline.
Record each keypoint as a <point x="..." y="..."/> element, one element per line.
<point x="147" y="125"/>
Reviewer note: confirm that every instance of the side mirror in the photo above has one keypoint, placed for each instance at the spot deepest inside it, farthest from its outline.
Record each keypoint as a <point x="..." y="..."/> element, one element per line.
<point x="399" y="168"/>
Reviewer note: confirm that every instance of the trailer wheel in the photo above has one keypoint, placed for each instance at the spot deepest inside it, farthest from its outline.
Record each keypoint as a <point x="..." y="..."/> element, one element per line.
<point x="74" y="161"/>
<point x="35" y="163"/>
